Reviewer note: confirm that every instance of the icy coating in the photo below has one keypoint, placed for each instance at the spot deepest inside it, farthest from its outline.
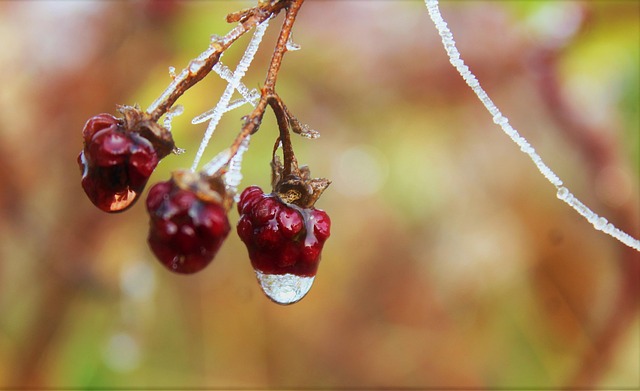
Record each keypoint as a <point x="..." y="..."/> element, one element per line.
<point x="599" y="223"/>
<point x="173" y="112"/>
<point x="284" y="288"/>
<point x="251" y="96"/>
<point x="217" y="162"/>
<point x="221" y="107"/>
<point x="292" y="46"/>
<point x="177" y="79"/>
<point x="233" y="177"/>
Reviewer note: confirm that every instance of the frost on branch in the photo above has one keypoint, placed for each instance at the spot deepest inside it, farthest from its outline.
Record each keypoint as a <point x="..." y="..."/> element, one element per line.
<point x="599" y="223"/>
<point x="223" y="103"/>
<point x="233" y="177"/>
<point x="175" y="111"/>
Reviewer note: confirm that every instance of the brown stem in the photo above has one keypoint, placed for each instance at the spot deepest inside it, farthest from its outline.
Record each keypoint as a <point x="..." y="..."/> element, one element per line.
<point x="252" y="122"/>
<point x="203" y="64"/>
<point x="290" y="161"/>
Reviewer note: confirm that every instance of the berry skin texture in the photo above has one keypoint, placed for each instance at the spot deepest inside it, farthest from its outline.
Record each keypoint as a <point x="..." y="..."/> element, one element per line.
<point x="115" y="164"/>
<point x="185" y="230"/>
<point x="281" y="238"/>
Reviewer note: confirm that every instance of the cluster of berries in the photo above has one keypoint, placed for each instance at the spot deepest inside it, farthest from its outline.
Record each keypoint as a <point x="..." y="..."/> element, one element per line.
<point x="189" y="213"/>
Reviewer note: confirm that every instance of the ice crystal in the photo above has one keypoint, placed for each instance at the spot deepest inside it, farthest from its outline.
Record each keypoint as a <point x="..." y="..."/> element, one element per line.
<point x="233" y="177"/>
<point x="221" y="107"/>
<point x="173" y="112"/>
<point x="219" y="161"/>
<point x="563" y="193"/>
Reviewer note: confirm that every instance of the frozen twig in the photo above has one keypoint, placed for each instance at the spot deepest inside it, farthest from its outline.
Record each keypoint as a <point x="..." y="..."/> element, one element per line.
<point x="203" y="64"/>
<point x="232" y="85"/>
<point x="599" y="223"/>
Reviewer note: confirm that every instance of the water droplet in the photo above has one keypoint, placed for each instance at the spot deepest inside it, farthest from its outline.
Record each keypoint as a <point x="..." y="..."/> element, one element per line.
<point x="600" y="223"/>
<point x="284" y="288"/>
<point x="563" y="192"/>
<point x="308" y="132"/>
<point x="500" y="119"/>
<point x="172" y="73"/>
<point x="292" y="46"/>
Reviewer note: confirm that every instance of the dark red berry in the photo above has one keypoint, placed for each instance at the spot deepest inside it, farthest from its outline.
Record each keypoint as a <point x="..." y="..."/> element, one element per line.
<point x="115" y="163"/>
<point x="281" y="238"/>
<point x="186" y="230"/>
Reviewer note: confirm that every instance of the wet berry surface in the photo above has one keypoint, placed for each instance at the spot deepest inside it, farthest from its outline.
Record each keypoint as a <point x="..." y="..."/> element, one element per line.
<point x="115" y="164"/>
<point x="281" y="238"/>
<point x="185" y="231"/>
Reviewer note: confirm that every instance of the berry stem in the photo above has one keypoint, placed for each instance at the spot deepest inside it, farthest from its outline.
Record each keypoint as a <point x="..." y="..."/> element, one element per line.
<point x="268" y="94"/>
<point x="202" y="65"/>
<point x="282" y="117"/>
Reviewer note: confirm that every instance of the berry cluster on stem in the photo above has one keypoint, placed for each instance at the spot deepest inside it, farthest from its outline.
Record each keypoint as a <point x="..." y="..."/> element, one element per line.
<point x="283" y="231"/>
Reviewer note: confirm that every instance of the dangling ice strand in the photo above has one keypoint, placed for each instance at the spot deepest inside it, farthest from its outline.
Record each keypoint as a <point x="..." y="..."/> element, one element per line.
<point x="223" y="103"/>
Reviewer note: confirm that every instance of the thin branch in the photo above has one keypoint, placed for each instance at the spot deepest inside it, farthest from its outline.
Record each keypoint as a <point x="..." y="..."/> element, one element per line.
<point x="563" y="193"/>
<point x="282" y="117"/>
<point x="223" y="103"/>
<point x="202" y="65"/>
<point x="253" y="120"/>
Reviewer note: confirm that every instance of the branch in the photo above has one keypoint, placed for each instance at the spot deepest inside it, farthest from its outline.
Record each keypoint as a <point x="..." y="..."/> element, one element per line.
<point x="563" y="193"/>
<point x="202" y="65"/>
<point x="268" y="94"/>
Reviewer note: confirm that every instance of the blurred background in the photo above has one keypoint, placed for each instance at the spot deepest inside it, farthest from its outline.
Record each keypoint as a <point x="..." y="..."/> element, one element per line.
<point x="451" y="261"/>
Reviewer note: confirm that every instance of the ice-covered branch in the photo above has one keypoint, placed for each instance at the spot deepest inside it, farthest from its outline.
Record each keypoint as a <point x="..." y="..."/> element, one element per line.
<point x="599" y="223"/>
<point x="232" y="85"/>
<point x="248" y="96"/>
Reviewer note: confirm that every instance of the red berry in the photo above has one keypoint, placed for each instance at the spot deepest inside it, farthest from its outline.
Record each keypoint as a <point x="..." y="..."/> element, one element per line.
<point x="281" y="238"/>
<point x="186" y="231"/>
<point x="115" y="163"/>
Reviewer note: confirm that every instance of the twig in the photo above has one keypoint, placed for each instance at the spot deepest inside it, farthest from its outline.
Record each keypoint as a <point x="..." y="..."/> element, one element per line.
<point x="563" y="193"/>
<point x="223" y="104"/>
<point x="268" y="94"/>
<point x="203" y="64"/>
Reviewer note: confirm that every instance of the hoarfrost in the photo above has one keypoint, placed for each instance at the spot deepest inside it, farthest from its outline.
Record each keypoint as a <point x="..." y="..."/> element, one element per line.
<point x="233" y="177"/>
<point x="292" y="46"/>
<point x="563" y="193"/>
<point x="173" y="112"/>
<point x="219" y="161"/>
<point x="221" y="107"/>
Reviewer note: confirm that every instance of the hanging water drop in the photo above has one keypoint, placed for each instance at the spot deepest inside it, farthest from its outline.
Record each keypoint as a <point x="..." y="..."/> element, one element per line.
<point x="292" y="46"/>
<point x="284" y="288"/>
<point x="308" y="132"/>
<point x="563" y="193"/>
<point x="172" y="73"/>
